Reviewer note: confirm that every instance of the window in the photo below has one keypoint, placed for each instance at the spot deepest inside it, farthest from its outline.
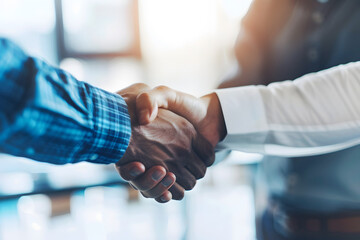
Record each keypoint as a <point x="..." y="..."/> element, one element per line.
<point x="97" y="28"/>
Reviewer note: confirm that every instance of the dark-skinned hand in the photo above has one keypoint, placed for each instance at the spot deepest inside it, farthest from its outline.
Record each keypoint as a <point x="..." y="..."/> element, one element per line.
<point x="167" y="146"/>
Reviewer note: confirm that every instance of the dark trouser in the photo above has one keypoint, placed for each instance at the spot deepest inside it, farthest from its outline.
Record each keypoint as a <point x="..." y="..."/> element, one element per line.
<point x="271" y="230"/>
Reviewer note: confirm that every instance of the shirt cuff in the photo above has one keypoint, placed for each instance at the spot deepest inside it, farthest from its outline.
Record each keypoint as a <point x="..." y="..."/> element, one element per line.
<point x="244" y="117"/>
<point x="111" y="130"/>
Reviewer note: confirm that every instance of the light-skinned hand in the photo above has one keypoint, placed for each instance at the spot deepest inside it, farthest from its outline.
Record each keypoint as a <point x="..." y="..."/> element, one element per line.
<point x="204" y="113"/>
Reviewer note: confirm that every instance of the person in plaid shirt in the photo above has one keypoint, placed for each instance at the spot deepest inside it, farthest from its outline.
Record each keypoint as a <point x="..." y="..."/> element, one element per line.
<point x="49" y="116"/>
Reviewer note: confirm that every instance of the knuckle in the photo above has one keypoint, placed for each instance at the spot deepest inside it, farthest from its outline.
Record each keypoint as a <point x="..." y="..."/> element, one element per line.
<point x="198" y="176"/>
<point x="178" y="196"/>
<point x="211" y="158"/>
<point x="162" y="88"/>
<point x="177" y="193"/>
<point x="141" y="85"/>
<point x="144" y="194"/>
<point x="144" y="96"/>
<point x="198" y="169"/>
<point x="189" y="185"/>
<point x="202" y="173"/>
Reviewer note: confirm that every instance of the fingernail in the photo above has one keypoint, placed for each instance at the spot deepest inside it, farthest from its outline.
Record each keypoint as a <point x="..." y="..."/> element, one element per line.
<point x="157" y="175"/>
<point x="163" y="199"/>
<point x="134" y="172"/>
<point x="167" y="182"/>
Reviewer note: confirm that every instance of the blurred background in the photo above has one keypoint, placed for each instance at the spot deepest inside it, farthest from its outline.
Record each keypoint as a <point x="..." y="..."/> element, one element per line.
<point x="185" y="44"/>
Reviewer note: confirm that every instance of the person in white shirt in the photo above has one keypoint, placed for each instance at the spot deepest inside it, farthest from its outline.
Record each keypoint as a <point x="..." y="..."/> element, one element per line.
<point x="292" y="123"/>
<point x="316" y="114"/>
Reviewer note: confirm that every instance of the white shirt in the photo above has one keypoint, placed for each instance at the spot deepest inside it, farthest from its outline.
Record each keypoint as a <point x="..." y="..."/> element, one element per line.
<point x="315" y="114"/>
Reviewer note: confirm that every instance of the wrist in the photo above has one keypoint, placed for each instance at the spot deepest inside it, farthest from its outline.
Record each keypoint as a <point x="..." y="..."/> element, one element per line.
<point x="214" y="119"/>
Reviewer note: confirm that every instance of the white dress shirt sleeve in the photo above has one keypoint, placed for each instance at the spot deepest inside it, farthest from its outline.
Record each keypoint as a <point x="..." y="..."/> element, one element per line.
<point x="315" y="114"/>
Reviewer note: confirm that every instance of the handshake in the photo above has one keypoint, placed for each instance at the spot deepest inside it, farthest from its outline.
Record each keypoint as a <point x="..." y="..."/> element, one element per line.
<point x="173" y="139"/>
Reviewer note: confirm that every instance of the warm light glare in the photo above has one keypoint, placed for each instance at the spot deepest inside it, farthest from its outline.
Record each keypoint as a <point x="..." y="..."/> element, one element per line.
<point x="187" y="44"/>
<point x="173" y="23"/>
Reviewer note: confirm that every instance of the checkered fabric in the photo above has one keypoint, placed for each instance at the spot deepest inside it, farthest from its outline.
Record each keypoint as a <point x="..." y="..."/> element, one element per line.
<point x="49" y="116"/>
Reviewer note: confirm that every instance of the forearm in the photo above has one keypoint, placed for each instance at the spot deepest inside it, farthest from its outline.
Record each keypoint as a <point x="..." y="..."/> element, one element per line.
<point x="47" y="115"/>
<point x="315" y="114"/>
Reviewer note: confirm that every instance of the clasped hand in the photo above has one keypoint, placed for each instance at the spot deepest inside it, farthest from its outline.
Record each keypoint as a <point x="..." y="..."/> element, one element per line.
<point x="172" y="142"/>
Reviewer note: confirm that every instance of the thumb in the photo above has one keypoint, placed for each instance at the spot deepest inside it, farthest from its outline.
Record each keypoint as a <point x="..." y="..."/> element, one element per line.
<point x="185" y="105"/>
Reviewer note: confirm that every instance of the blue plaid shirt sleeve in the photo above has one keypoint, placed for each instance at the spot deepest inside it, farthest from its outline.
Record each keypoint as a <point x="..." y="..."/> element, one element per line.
<point x="49" y="116"/>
